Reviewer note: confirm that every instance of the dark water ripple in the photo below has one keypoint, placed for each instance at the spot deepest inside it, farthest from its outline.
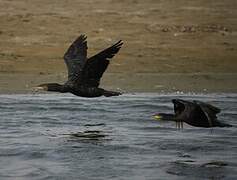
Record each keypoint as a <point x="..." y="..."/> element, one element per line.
<point x="60" y="136"/>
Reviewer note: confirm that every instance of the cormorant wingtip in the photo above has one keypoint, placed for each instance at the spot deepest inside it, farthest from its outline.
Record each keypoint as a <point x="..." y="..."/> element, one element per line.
<point x="82" y="37"/>
<point x="174" y="101"/>
<point x="118" y="44"/>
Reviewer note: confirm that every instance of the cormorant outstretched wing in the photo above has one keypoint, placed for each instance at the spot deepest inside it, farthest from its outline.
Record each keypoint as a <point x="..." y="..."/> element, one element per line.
<point x="209" y="110"/>
<point x="212" y="108"/>
<point x="97" y="64"/>
<point x="179" y="105"/>
<point x="75" y="57"/>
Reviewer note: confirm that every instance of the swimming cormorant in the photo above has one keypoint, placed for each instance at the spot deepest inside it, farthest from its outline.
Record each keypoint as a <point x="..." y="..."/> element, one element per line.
<point x="84" y="73"/>
<point x="194" y="113"/>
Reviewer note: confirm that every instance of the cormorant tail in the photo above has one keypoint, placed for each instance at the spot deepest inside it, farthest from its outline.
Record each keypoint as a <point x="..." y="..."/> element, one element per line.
<point x="111" y="93"/>
<point x="221" y="124"/>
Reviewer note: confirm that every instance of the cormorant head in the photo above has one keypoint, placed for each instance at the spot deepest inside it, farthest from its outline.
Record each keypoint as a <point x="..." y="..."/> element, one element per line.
<point x="50" y="87"/>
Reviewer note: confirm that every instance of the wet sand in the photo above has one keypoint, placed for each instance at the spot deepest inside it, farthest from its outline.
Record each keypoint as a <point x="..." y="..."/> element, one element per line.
<point x="168" y="45"/>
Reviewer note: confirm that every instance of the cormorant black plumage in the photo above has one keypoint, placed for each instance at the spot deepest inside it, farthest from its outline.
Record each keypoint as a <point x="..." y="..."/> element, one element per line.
<point x="194" y="113"/>
<point x="84" y="73"/>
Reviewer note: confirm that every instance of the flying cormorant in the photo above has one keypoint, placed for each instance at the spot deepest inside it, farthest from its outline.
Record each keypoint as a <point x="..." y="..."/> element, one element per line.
<point x="84" y="73"/>
<point x="194" y="113"/>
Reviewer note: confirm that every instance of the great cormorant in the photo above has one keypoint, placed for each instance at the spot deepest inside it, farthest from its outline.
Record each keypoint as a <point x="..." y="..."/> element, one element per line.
<point x="84" y="73"/>
<point x="194" y="113"/>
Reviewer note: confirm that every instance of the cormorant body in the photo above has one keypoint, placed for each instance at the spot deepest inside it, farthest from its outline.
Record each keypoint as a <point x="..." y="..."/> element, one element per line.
<point x="84" y="73"/>
<point x="194" y="113"/>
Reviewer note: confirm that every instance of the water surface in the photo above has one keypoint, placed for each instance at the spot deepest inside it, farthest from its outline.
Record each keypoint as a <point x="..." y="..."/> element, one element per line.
<point x="61" y="136"/>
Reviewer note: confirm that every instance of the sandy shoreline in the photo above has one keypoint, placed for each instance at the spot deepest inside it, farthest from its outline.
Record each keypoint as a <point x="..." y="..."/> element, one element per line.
<point x="168" y="45"/>
<point x="139" y="82"/>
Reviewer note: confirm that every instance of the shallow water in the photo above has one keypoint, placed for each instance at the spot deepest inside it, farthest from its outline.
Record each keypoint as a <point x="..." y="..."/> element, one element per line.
<point x="61" y="136"/>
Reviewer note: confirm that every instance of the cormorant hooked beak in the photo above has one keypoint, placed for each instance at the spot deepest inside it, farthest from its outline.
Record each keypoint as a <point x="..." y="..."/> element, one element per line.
<point x="157" y="117"/>
<point x="40" y="88"/>
<point x="168" y="117"/>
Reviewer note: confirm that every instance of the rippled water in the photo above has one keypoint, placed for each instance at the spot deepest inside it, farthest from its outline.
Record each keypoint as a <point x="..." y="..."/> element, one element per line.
<point x="61" y="136"/>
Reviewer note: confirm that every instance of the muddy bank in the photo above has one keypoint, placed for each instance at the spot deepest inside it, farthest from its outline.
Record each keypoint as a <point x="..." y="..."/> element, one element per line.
<point x="168" y="45"/>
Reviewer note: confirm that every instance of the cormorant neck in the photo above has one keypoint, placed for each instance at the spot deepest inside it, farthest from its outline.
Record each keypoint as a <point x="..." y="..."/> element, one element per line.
<point x="53" y="87"/>
<point x="165" y="117"/>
